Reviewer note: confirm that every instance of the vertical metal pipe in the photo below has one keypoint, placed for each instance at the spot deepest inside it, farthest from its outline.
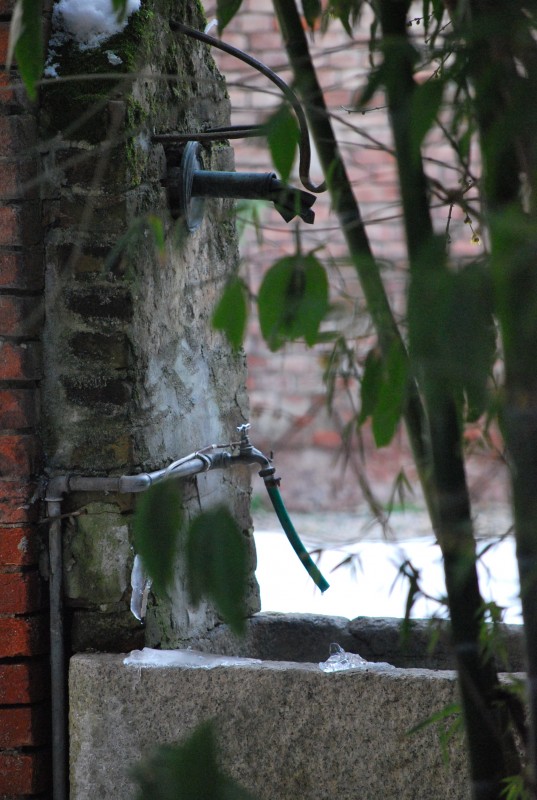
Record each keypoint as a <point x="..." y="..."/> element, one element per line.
<point x="57" y="653"/>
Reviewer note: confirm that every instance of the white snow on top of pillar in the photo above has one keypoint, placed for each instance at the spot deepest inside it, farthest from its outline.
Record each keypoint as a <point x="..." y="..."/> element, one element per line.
<point x="89" y="23"/>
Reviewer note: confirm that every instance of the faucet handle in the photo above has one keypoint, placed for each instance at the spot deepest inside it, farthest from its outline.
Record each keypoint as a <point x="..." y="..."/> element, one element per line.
<point x="243" y="430"/>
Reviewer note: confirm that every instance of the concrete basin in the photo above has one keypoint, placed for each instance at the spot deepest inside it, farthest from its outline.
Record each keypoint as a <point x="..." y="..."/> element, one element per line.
<point x="286" y="730"/>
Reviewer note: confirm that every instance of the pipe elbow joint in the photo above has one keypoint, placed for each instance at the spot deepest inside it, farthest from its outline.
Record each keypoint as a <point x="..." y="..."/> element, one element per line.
<point x="56" y="488"/>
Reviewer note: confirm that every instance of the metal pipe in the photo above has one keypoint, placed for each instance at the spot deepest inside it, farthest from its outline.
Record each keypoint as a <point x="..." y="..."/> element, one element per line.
<point x="304" y="144"/>
<point x="289" y="201"/>
<point x="57" y="654"/>
<point x="240" y="185"/>
<point x="61" y="485"/>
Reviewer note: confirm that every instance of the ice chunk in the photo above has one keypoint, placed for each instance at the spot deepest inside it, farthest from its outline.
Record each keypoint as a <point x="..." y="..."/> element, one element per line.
<point x="149" y="657"/>
<point x="113" y="58"/>
<point x="339" y="660"/>
<point x="141" y="585"/>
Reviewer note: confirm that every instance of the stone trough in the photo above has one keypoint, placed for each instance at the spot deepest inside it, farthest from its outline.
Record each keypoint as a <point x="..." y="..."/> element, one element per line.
<point x="286" y="729"/>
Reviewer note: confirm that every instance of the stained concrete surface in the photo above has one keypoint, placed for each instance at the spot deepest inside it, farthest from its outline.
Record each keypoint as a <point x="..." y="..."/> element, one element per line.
<point x="285" y="730"/>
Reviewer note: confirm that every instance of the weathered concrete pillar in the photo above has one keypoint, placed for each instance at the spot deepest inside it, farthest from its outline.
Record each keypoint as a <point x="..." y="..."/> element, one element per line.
<point x="134" y="375"/>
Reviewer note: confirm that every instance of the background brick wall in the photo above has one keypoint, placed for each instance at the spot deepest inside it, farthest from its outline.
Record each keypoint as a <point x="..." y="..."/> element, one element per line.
<point x="287" y="391"/>
<point x="24" y="678"/>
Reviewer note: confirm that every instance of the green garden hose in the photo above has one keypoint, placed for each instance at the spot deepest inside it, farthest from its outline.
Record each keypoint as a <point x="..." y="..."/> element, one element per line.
<point x="296" y="543"/>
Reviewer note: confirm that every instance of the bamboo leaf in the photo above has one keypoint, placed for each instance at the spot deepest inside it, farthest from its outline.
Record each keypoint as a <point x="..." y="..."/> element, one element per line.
<point x="347" y="11"/>
<point x="293" y="300"/>
<point x="225" y="11"/>
<point x="426" y="101"/>
<point x="451" y="710"/>
<point x="312" y="11"/>
<point x="217" y="565"/>
<point x="370" y="385"/>
<point x="26" y="41"/>
<point x="231" y="313"/>
<point x="283" y="135"/>
<point x="391" y="397"/>
<point x="375" y="82"/>
<point x="156" y="527"/>
<point x="452" y="331"/>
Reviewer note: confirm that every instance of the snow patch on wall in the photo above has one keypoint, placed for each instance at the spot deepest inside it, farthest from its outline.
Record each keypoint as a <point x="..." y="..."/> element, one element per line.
<point x="89" y="24"/>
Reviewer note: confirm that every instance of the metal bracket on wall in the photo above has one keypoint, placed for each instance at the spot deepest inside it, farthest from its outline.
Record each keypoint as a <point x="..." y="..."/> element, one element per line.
<point x="189" y="184"/>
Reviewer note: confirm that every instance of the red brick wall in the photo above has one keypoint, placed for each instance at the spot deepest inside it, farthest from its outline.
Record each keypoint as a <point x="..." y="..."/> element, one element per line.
<point x="24" y="693"/>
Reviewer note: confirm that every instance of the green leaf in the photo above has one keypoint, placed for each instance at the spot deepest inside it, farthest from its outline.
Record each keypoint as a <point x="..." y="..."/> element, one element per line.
<point x="391" y="396"/>
<point x="283" y="135"/>
<point x="370" y="385"/>
<point x="217" y="565"/>
<point x="156" y="227"/>
<point x="26" y="41"/>
<point x="472" y="336"/>
<point x="225" y="11"/>
<point x="293" y="300"/>
<point x="515" y="788"/>
<point x="189" y="771"/>
<point x="375" y="81"/>
<point x="15" y="29"/>
<point x="347" y="11"/>
<point x="120" y="9"/>
<point x="231" y="313"/>
<point x="451" y="710"/>
<point x="463" y="143"/>
<point x="312" y="11"/>
<point x="452" y="332"/>
<point x="425" y="104"/>
<point x="157" y="524"/>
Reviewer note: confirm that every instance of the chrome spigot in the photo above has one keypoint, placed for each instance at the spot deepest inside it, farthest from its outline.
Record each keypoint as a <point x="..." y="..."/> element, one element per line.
<point x="245" y="439"/>
<point x="248" y="453"/>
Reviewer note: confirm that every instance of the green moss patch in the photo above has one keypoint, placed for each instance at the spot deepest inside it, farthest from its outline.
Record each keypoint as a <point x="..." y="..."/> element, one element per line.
<point x="78" y="108"/>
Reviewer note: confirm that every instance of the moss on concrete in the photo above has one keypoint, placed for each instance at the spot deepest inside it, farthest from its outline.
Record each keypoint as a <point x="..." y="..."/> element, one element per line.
<point x="79" y="108"/>
<point x="98" y="557"/>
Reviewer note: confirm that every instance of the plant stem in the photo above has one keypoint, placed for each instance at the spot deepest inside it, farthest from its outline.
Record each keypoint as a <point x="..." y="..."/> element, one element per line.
<point x="490" y="747"/>
<point x="499" y="40"/>
<point x="347" y="210"/>
<point x="440" y="461"/>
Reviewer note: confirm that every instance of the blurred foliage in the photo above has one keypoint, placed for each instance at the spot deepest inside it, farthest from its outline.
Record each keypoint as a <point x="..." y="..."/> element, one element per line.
<point x="157" y="524"/>
<point x="217" y="565"/>
<point x="26" y="43"/>
<point x="293" y="300"/>
<point x="212" y="546"/>
<point x="283" y="135"/>
<point x="189" y="771"/>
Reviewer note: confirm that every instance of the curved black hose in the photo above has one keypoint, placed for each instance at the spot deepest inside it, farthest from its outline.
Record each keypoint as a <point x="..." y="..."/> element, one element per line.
<point x="294" y="539"/>
<point x="304" y="144"/>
